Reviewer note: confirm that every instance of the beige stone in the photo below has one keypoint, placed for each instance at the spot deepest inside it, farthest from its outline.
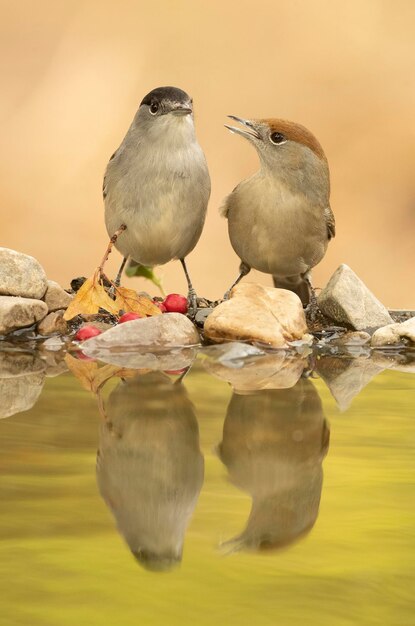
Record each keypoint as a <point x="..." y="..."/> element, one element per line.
<point x="52" y="324"/>
<point x="16" y="312"/>
<point x="21" y="275"/>
<point x="258" y="314"/>
<point x="394" y="334"/>
<point x="56" y="298"/>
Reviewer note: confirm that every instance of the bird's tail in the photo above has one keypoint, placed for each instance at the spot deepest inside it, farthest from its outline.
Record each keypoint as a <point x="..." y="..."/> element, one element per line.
<point x="297" y="284"/>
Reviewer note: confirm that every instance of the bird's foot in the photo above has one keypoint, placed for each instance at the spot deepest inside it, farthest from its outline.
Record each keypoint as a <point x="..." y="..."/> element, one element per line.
<point x="227" y="294"/>
<point x="312" y="310"/>
<point x="192" y="303"/>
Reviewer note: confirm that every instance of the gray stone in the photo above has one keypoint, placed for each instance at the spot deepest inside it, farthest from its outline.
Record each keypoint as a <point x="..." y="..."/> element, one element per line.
<point x="19" y="393"/>
<point x="53" y="324"/>
<point x="56" y="298"/>
<point x="21" y="275"/>
<point x="16" y="312"/>
<point x="395" y="334"/>
<point x="255" y="313"/>
<point x="347" y="300"/>
<point x="151" y="334"/>
<point x="346" y="377"/>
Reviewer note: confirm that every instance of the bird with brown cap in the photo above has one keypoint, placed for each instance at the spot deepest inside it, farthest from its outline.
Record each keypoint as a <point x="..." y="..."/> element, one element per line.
<point x="280" y="221"/>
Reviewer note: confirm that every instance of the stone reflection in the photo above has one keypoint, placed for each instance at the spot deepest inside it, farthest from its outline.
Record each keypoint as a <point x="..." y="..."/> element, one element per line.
<point x="22" y="376"/>
<point x="149" y="466"/>
<point x="274" y="442"/>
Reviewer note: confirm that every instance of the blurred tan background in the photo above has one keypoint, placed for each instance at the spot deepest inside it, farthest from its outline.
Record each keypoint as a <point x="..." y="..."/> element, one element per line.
<point x="73" y="73"/>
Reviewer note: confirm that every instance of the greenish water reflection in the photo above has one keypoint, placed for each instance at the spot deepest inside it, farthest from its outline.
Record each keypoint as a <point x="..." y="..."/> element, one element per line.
<point x="266" y="540"/>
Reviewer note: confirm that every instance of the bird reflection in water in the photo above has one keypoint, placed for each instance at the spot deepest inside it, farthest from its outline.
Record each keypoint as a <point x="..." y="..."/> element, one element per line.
<point x="149" y="466"/>
<point x="274" y="442"/>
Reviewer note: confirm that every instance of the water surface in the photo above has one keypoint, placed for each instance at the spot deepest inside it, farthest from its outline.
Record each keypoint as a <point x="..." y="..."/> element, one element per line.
<point x="206" y="501"/>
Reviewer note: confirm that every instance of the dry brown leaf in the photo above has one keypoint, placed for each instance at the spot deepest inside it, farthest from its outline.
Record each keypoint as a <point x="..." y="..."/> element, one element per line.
<point x="90" y="298"/>
<point x="85" y="371"/>
<point x="128" y="300"/>
<point x="92" y="377"/>
<point x="109" y="371"/>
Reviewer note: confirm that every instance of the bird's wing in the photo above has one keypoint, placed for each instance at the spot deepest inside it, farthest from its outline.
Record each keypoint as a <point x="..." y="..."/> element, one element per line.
<point x="330" y="223"/>
<point x="104" y="186"/>
<point x="226" y="204"/>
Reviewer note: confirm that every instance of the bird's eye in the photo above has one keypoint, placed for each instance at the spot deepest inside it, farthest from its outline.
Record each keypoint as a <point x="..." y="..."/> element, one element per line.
<point x="154" y="107"/>
<point x="277" y="138"/>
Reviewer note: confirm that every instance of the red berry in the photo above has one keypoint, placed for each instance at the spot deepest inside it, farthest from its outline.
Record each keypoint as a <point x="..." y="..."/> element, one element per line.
<point x="86" y="332"/>
<point x="175" y="372"/>
<point x="161" y="306"/>
<point x="175" y="303"/>
<point x="127" y="317"/>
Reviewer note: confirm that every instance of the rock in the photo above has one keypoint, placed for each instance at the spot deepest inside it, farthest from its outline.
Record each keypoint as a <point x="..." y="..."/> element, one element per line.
<point x="398" y="361"/>
<point x="53" y="344"/>
<point x="21" y="275"/>
<point x="16" y="312"/>
<point x="395" y="334"/>
<point x="347" y="300"/>
<point x="56" y="298"/>
<point x="21" y="381"/>
<point x="346" y="377"/>
<point x="160" y="332"/>
<point x="175" y="359"/>
<point x="232" y="354"/>
<point x="55" y="363"/>
<point x="351" y="339"/>
<point x="258" y="314"/>
<point x="14" y="364"/>
<point x="272" y="371"/>
<point x="19" y="393"/>
<point x="201" y="315"/>
<point x="53" y="324"/>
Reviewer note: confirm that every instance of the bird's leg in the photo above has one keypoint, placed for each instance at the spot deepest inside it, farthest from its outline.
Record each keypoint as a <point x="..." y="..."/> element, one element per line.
<point x="117" y="280"/>
<point x="113" y="239"/>
<point x="243" y="271"/>
<point x="312" y="308"/>
<point x="191" y="296"/>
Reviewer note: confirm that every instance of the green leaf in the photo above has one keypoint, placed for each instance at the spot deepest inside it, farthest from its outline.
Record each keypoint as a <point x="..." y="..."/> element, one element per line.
<point x="135" y="269"/>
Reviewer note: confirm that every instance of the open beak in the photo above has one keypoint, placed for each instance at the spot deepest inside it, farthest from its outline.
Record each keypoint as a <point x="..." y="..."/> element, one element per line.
<point x="249" y="132"/>
<point x="180" y="109"/>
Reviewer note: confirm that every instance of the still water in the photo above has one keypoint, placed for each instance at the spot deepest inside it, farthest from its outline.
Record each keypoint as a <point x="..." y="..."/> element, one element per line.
<point x="254" y="491"/>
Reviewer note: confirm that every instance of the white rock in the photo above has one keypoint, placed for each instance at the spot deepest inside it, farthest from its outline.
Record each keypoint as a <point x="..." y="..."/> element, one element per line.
<point x="394" y="334"/>
<point x="18" y="312"/>
<point x="347" y="300"/>
<point x="160" y="332"/>
<point x="21" y="275"/>
<point x="56" y="298"/>
<point x="258" y="314"/>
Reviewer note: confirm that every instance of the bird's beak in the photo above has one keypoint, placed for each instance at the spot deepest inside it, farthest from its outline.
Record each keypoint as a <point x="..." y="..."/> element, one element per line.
<point x="250" y="132"/>
<point x="180" y="109"/>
